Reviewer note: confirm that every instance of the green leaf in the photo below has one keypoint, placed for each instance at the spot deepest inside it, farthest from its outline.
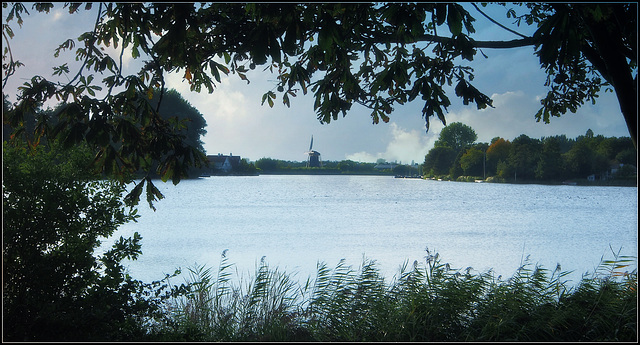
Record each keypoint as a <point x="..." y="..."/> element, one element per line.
<point x="454" y="20"/>
<point x="153" y="193"/>
<point x="325" y="40"/>
<point x="289" y="44"/>
<point x="133" y="197"/>
<point x="274" y="50"/>
<point x="441" y="13"/>
<point x="243" y="77"/>
<point x="214" y="70"/>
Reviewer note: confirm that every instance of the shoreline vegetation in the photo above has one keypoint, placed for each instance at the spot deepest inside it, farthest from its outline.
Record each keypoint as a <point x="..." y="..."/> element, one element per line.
<point x="618" y="182"/>
<point x="628" y="182"/>
<point x="425" y="301"/>
<point x="587" y="160"/>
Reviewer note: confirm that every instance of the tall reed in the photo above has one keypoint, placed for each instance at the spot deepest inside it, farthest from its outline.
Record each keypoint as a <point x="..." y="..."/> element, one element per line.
<point x="425" y="301"/>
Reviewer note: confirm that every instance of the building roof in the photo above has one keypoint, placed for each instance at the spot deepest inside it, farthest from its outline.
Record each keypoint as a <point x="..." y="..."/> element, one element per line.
<point x="220" y="159"/>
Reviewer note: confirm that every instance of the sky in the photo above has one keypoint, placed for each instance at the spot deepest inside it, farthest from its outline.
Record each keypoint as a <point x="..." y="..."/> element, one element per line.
<point x="238" y="124"/>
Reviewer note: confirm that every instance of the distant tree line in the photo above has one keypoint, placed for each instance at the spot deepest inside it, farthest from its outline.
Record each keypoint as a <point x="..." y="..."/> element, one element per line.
<point x="550" y="159"/>
<point x="271" y="165"/>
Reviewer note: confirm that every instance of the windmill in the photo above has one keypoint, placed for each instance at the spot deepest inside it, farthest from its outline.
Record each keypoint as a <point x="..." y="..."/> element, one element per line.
<point x="314" y="157"/>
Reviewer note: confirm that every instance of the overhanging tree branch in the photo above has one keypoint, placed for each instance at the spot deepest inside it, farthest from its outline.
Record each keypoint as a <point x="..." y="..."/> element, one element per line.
<point x="524" y="42"/>
<point x="521" y="42"/>
<point x="495" y="22"/>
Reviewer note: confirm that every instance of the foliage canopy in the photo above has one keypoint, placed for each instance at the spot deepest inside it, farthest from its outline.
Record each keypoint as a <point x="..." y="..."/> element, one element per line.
<point x="550" y="159"/>
<point x="375" y="55"/>
<point x="173" y="107"/>
<point x="457" y="136"/>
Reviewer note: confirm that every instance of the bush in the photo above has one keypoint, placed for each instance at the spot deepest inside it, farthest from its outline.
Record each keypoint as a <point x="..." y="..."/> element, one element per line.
<point x="468" y="178"/>
<point x="55" y="287"/>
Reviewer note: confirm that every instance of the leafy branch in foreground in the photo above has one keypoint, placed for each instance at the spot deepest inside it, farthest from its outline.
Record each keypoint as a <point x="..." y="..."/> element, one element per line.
<point x="378" y="56"/>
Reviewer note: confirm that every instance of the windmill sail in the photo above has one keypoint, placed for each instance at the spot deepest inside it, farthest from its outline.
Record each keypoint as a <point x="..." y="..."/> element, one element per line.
<point x="314" y="156"/>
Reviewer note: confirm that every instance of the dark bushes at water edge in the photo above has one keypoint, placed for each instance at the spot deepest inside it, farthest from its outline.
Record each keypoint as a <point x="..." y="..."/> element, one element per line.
<point x="426" y="302"/>
<point x="56" y="285"/>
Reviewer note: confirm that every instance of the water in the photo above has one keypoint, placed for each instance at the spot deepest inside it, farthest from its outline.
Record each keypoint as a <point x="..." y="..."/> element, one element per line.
<point x="297" y="221"/>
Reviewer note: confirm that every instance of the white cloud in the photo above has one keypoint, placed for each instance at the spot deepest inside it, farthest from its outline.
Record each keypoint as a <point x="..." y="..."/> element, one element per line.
<point x="403" y="146"/>
<point x="58" y="14"/>
<point x="127" y="58"/>
<point x="364" y="157"/>
<point x="225" y="110"/>
<point x="514" y="114"/>
<point x="224" y="104"/>
<point x="406" y="145"/>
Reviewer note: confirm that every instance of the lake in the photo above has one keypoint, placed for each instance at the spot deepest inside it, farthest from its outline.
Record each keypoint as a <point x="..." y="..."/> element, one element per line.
<point x="296" y="221"/>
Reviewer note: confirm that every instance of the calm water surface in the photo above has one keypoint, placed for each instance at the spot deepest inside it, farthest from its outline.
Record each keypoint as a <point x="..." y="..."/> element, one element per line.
<point x="297" y="221"/>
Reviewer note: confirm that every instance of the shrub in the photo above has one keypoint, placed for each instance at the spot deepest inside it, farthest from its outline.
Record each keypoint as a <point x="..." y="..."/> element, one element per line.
<point x="55" y="287"/>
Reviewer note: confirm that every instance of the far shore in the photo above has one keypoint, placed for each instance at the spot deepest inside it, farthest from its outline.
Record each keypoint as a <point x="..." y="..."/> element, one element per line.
<point x="572" y="182"/>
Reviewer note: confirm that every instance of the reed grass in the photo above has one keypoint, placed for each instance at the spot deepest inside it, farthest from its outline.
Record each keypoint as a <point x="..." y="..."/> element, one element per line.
<point x="425" y="301"/>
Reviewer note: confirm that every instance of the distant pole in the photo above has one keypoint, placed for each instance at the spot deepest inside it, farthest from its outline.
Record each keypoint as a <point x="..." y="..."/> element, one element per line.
<point x="484" y="163"/>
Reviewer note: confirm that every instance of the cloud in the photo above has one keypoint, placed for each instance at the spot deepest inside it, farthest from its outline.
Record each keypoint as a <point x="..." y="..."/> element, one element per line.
<point x="224" y="104"/>
<point x="225" y="111"/>
<point x="514" y="114"/>
<point x="511" y="112"/>
<point x="58" y="14"/>
<point x="403" y="146"/>
<point x="238" y="123"/>
<point x="364" y="157"/>
<point x="406" y="145"/>
<point x="127" y="57"/>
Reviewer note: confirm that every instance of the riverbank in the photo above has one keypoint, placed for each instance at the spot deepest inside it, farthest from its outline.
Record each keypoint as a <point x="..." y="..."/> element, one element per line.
<point x="325" y="172"/>
<point x="572" y="182"/>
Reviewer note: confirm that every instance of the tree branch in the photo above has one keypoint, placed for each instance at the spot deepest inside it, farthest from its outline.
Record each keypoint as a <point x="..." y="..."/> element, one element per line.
<point x="498" y="24"/>
<point x="11" y="67"/>
<point x="88" y="47"/>
<point x="523" y="42"/>
<point x="517" y="43"/>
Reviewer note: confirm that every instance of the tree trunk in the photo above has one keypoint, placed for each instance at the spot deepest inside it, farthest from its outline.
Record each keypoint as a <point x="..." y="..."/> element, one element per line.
<point x="614" y="67"/>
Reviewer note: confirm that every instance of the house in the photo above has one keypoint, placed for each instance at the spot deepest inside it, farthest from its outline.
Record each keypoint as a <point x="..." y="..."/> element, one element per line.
<point x="223" y="164"/>
<point x="611" y="173"/>
<point x="624" y="169"/>
<point x="594" y="177"/>
<point x="619" y="167"/>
